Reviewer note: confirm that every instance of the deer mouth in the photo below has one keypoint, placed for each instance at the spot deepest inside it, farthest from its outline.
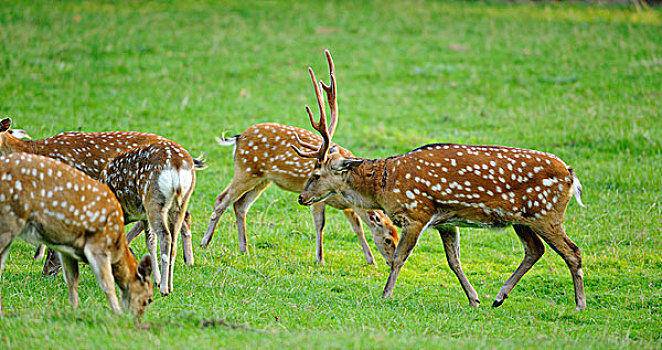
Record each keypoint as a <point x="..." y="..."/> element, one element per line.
<point x="305" y="201"/>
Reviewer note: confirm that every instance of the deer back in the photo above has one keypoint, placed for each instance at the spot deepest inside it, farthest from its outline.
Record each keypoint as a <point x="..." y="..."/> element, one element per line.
<point x="264" y="151"/>
<point x="59" y="205"/>
<point x="479" y="185"/>
<point x="163" y="166"/>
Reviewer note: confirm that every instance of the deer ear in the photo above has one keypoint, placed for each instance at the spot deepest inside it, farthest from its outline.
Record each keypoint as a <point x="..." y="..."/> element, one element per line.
<point x="345" y="164"/>
<point x="144" y="269"/>
<point x="5" y="124"/>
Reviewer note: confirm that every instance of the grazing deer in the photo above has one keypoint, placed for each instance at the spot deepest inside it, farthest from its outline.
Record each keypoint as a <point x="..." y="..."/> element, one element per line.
<point x="262" y="156"/>
<point x="44" y="201"/>
<point x="447" y="185"/>
<point x="164" y="170"/>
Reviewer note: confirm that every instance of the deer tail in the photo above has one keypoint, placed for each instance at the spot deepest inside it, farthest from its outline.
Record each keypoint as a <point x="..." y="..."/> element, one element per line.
<point x="576" y="187"/>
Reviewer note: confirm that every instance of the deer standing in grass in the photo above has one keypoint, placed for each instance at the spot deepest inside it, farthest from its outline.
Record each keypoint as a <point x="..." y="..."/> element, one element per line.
<point x="44" y="201"/>
<point x="447" y="185"/>
<point x="262" y="156"/>
<point x="152" y="177"/>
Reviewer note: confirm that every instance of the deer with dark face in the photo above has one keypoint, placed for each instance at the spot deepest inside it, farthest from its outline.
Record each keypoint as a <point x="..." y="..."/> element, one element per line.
<point x="263" y="156"/>
<point x="152" y="177"/>
<point x="44" y="201"/>
<point x="445" y="186"/>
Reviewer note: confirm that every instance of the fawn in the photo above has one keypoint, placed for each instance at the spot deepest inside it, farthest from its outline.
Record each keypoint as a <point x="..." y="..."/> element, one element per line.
<point x="44" y="201"/>
<point x="447" y="185"/>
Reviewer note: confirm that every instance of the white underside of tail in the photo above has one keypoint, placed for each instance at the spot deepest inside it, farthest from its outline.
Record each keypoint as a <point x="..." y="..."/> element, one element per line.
<point x="230" y="141"/>
<point x="172" y="181"/>
<point x="577" y="189"/>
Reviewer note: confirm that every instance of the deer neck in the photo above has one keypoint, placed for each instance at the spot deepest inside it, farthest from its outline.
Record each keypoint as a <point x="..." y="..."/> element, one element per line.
<point x="125" y="267"/>
<point x="364" y="184"/>
<point x="14" y="145"/>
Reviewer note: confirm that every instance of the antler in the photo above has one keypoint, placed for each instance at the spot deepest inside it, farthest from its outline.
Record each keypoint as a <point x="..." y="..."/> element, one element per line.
<point x="325" y="131"/>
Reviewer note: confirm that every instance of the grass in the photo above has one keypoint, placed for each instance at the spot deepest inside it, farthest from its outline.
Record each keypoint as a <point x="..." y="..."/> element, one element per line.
<point x="583" y="82"/>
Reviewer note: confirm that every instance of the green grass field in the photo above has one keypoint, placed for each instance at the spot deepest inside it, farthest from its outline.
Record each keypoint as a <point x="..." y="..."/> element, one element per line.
<point x="582" y="82"/>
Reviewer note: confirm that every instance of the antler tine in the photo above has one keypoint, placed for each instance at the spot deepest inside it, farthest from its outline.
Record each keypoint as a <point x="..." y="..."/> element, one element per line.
<point x="331" y="96"/>
<point x="320" y="126"/>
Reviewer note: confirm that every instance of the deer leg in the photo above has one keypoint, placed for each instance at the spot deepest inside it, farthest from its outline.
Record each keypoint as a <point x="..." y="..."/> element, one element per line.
<point x="165" y="243"/>
<point x="52" y="264"/>
<point x="450" y="236"/>
<point x="187" y="243"/>
<point x="100" y="263"/>
<point x="176" y="220"/>
<point x="241" y="207"/>
<point x="5" y="244"/>
<point x="319" y="219"/>
<point x="234" y="191"/>
<point x="355" y="222"/>
<point x="40" y="252"/>
<point x="410" y="233"/>
<point x="151" y="243"/>
<point x="557" y="239"/>
<point x="70" y="268"/>
<point x="135" y="231"/>
<point x="533" y="250"/>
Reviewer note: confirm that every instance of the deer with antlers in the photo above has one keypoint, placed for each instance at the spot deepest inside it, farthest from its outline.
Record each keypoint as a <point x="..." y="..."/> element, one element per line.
<point x="262" y="156"/>
<point x="445" y="186"/>
<point x="152" y="177"/>
<point x="44" y="201"/>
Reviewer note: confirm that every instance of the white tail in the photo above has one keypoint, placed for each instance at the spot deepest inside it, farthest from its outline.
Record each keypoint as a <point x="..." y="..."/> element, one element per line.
<point x="576" y="187"/>
<point x="44" y="201"/>
<point x="447" y="185"/>
<point x="262" y="155"/>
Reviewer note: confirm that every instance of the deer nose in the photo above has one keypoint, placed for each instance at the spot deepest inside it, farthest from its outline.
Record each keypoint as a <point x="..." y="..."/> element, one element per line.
<point x="303" y="201"/>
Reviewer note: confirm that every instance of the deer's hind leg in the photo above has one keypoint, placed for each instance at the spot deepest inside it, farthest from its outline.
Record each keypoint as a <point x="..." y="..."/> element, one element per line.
<point x="241" y="207"/>
<point x="533" y="250"/>
<point x="177" y="215"/>
<point x="237" y="188"/>
<point x="157" y="215"/>
<point x="555" y="236"/>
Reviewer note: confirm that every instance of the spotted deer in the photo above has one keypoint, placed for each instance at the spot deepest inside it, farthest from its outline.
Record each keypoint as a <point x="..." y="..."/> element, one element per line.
<point x="262" y="156"/>
<point x="44" y="201"/>
<point x="153" y="175"/>
<point x="445" y="186"/>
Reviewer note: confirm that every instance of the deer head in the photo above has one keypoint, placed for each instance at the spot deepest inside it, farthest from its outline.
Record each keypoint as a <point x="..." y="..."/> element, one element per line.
<point x="138" y="292"/>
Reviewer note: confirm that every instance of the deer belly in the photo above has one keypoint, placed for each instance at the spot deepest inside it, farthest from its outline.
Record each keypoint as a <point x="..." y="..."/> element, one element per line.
<point x="132" y="206"/>
<point x="31" y="235"/>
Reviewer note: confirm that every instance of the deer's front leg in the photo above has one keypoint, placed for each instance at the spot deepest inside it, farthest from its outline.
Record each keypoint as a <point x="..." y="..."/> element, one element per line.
<point x="355" y="221"/>
<point x="187" y="240"/>
<point x="100" y="263"/>
<point x="70" y="267"/>
<point x="319" y="219"/>
<point x="410" y="233"/>
<point x="135" y="231"/>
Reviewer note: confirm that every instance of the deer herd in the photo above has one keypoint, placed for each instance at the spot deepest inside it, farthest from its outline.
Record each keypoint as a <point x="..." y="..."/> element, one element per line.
<point x="74" y="192"/>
